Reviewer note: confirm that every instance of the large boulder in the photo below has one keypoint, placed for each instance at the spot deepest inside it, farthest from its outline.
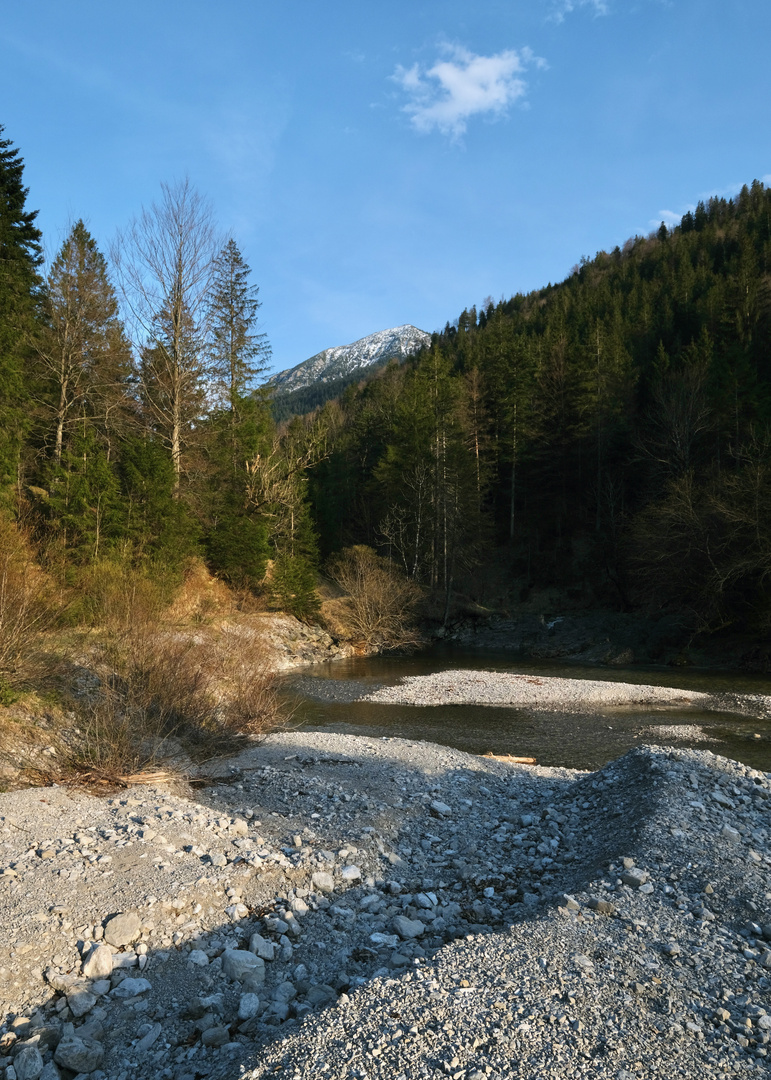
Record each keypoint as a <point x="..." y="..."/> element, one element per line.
<point x="122" y="929"/>
<point x="79" y="1055"/>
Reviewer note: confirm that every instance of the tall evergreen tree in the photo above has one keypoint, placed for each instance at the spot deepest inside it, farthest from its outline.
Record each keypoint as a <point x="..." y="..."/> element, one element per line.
<point x="83" y="352"/>
<point x="20" y="257"/>
<point x="242" y="432"/>
<point x="239" y="352"/>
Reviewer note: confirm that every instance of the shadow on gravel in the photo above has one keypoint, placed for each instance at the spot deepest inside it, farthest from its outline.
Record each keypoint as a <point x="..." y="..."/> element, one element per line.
<point x="354" y="867"/>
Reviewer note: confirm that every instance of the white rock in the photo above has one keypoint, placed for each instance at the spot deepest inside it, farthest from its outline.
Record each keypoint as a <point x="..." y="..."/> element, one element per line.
<point x="130" y="988"/>
<point x="148" y="1038"/>
<point x="98" y="963"/>
<point x="199" y="958"/>
<point x="122" y="929"/>
<point x="350" y="873"/>
<point x="79" y="1055"/>
<point x="408" y="928"/>
<point x="238" y="963"/>
<point x="261" y="947"/>
<point x="248" y="1006"/>
<point x="28" y="1063"/>
<point x="392" y="940"/>
<point x="81" y="1002"/>
<point x="322" y="882"/>
<point x="124" y="960"/>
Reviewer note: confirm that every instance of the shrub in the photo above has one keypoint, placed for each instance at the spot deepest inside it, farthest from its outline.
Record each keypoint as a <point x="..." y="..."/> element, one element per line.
<point x="381" y="603"/>
<point x="293" y="586"/>
<point x="116" y="595"/>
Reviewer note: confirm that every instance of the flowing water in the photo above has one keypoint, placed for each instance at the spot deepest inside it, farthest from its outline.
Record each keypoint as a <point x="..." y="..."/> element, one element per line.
<point x="577" y="741"/>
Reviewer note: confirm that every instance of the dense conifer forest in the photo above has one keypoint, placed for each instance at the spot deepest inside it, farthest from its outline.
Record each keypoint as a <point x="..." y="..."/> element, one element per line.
<point x="609" y="436"/>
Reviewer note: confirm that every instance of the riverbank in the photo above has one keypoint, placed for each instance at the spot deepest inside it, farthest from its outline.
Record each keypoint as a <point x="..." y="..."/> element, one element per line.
<point x="609" y="638"/>
<point x="337" y="906"/>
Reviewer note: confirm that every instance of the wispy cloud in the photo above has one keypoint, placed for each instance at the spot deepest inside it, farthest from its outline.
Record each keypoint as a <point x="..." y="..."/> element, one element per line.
<point x="561" y="8"/>
<point x="445" y="96"/>
<point x="672" y="218"/>
<point x="669" y="217"/>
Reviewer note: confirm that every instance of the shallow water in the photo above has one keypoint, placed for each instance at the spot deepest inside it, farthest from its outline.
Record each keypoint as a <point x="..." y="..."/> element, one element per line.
<point x="577" y="741"/>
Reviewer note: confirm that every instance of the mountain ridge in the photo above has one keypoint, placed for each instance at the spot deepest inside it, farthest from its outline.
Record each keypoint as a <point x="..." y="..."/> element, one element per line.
<point x="343" y="361"/>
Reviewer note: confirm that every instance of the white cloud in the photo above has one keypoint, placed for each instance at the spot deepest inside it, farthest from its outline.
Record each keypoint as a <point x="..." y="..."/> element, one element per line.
<point x="446" y="95"/>
<point x="561" y="8"/>
<point x="669" y="217"/>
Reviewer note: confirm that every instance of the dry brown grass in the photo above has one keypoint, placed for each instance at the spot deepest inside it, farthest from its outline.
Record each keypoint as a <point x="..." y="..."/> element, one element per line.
<point x="141" y="692"/>
<point x="202" y="596"/>
<point x="27" y="606"/>
<point x="172" y="699"/>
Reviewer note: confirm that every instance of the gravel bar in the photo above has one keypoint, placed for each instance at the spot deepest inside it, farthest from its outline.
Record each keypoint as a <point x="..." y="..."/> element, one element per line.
<point x="356" y="908"/>
<point x="544" y="692"/>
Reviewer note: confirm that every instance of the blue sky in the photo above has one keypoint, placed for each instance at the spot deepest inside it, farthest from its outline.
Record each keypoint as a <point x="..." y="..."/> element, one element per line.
<point x="394" y="162"/>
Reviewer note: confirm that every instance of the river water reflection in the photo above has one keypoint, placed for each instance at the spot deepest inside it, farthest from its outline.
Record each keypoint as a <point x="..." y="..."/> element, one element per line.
<point x="583" y="741"/>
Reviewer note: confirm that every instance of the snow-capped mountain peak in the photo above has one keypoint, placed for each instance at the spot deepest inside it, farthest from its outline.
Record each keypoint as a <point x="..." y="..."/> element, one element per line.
<point x="344" y="360"/>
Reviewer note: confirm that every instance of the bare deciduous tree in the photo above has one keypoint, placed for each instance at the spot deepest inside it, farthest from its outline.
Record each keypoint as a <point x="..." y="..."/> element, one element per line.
<point x="165" y="262"/>
<point x="275" y="480"/>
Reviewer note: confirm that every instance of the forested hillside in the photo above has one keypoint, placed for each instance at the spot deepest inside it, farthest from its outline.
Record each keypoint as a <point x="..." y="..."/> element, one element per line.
<point x="609" y="434"/>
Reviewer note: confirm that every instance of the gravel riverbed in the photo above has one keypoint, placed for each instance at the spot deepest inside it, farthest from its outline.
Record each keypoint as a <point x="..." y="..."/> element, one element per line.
<point x="348" y="907"/>
<point x="548" y="692"/>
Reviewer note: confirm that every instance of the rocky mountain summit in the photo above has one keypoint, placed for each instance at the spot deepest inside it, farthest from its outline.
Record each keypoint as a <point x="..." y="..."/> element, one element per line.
<point x="344" y="360"/>
<point x="346" y="907"/>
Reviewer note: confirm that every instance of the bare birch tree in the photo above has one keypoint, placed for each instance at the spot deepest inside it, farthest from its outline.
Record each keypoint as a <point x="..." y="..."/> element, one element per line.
<point x="164" y="263"/>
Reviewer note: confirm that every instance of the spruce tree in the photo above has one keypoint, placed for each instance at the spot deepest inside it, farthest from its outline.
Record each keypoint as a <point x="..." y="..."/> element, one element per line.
<point x="84" y="355"/>
<point x="20" y="257"/>
<point x="237" y="535"/>
<point x="239" y="352"/>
